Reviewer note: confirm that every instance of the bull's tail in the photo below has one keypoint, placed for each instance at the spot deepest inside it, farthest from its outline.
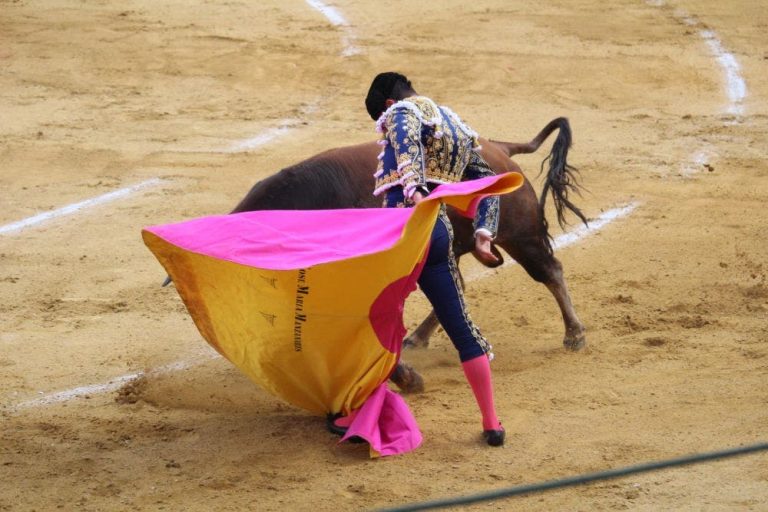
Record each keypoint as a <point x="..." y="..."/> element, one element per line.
<point x="561" y="176"/>
<point x="561" y="179"/>
<point x="516" y="148"/>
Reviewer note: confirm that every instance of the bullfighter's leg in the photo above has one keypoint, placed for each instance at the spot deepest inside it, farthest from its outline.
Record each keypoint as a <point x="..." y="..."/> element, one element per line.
<point x="419" y="338"/>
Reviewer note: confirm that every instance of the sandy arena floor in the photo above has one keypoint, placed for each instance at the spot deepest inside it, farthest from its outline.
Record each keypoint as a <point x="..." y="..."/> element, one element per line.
<point x="182" y="105"/>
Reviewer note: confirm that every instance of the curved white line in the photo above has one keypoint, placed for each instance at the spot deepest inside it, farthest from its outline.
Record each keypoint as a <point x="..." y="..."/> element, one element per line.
<point x="72" y="208"/>
<point x="333" y="14"/>
<point x="736" y="86"/>
<point x="338" y="20"/>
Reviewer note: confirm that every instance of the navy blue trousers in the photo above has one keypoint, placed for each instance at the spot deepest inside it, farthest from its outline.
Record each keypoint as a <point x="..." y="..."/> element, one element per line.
<point x="441" y="284"/>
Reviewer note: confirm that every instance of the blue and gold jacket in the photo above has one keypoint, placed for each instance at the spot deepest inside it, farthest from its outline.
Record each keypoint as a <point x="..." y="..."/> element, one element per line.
<point x="426" y="145"/>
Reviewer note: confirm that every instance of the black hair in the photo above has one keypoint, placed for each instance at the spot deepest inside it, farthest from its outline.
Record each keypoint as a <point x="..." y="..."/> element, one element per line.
<point x="385" y="86"/>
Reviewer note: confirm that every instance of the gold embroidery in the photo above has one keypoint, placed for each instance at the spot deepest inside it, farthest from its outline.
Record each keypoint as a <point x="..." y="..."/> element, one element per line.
<point x="439" y="145"/>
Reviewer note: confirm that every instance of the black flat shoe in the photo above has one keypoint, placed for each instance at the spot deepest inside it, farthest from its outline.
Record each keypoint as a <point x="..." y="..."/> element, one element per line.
<point x="333" y="428"/>
<point x="494" y="437"/>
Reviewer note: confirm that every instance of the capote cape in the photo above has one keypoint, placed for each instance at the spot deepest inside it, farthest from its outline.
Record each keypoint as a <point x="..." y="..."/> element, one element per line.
<point x="309" y="303"/>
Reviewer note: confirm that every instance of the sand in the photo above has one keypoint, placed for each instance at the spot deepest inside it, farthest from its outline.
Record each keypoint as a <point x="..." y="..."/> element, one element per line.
<point x="192" y="102"/>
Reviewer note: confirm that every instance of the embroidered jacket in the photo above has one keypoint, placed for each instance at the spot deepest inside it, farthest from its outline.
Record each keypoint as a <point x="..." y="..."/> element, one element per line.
<point x="424" y="145"/>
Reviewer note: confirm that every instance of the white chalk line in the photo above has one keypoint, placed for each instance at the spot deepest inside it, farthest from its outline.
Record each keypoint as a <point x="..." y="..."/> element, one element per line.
<point x="245" y="145"/>
<point x="595" y="225"/>
<point x="337" y="19"/>
<point x="116" y="383"/>
<point x="82" y="391"/>
<point x="735" y="85"/>
<point x="110" y="386"/>
<point x="284" y="127"/>
<point x="566" y="239"/>
<point x="330" y="12"/>
<point x="261" y="139"/>
<point x="72" y="208"/>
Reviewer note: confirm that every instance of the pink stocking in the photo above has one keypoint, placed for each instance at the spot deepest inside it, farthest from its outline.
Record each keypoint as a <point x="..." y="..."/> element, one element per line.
<point x="478" y="373"/>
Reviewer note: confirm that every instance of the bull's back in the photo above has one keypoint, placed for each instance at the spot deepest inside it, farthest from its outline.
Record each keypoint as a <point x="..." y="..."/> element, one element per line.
<point x="335" y="179"/>
<point x="343" y="178"/>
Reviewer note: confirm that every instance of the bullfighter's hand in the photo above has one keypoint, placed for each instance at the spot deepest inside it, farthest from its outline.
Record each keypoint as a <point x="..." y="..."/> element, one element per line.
<point x="483" y="248"/>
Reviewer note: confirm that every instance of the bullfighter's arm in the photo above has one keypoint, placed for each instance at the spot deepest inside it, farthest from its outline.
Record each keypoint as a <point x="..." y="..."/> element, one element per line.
<point x="486" y="220"/>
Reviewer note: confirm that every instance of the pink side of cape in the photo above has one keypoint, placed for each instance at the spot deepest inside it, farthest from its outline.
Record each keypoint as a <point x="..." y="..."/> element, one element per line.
<point x="386" y="422"/>
<point x="292" y="239"/>
<point x="288" y="239"/>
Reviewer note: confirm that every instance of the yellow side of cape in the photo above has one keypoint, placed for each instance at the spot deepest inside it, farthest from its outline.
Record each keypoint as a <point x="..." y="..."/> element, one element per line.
<point x="304" y="334"/>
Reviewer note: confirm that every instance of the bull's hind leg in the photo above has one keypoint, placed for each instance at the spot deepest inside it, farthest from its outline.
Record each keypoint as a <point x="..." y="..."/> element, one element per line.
<point x="543" y="267"/>
<point x="575" y="333"/>
<point x="419" y="338"/>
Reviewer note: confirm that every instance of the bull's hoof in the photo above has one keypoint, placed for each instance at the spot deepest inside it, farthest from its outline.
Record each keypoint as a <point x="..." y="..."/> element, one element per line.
<point x="407" y="379"/>
<point x="576" y="342"/>
<point x="415" y="341"/>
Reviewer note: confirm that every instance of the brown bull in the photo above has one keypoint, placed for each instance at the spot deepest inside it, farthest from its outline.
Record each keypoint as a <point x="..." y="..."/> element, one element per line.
<point x="343" y="178"/>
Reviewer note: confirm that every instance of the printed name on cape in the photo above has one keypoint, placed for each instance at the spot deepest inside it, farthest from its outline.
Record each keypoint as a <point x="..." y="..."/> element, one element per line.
<point x="302" y="290"/>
